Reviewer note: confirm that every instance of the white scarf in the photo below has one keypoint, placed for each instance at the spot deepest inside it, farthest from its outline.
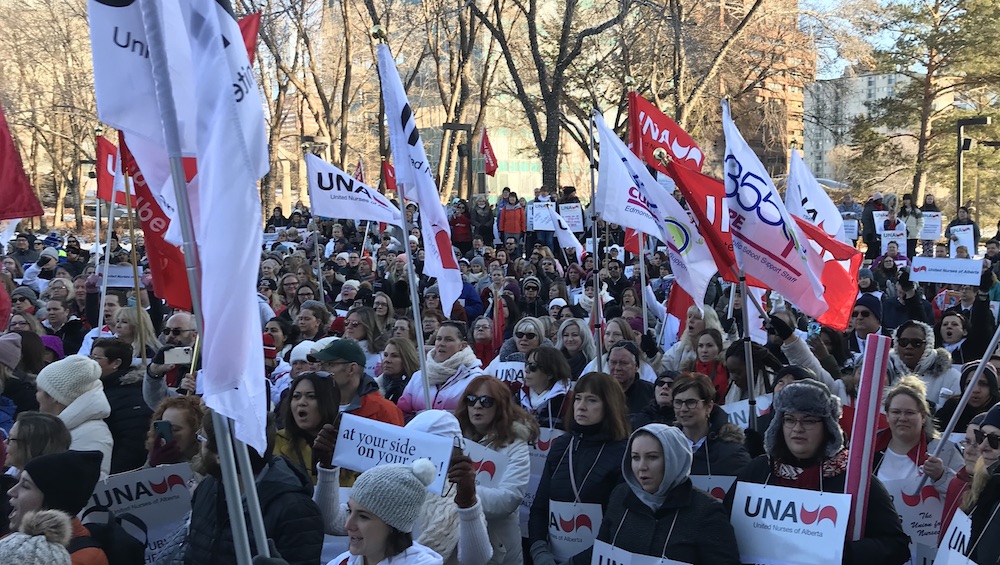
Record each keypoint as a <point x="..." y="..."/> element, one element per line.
<point x="439" y="373"/>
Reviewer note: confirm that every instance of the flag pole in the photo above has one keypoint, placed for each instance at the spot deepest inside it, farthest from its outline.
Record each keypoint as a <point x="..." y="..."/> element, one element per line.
<point x="227" y="449"/>
<point x="319" y="259"/>
<point x="378" y="32"/>
<point x="135" y="265"/>
<point x="642" y="280"/>
<point x="748" y="352"/>
<point x="107" y="263"/>
<point x="595" y="310"/>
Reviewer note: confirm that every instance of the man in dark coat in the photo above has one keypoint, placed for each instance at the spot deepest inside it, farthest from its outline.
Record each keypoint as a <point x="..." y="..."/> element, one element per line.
<point x="623" y="363"/>
<point x="129" y="419"/>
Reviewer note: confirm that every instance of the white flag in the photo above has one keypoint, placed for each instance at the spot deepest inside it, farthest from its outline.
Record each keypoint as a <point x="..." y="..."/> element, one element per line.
<point x="805" y="198"/>
<point x="413" y="173"/>
<point x="565" y="237"/>
<point x="629" y="196"/>
<point x="335" y="194"/>
<point x="232" y="156"/>
<point x="766" y="241"/>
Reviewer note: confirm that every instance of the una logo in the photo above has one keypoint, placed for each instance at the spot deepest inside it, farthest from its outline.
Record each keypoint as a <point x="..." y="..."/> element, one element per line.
<point x="543" y="445"/>
<point x="485" y="466"/>
<point x="925" y="494"/>
<point x="571" y="525"/>
<point x="920" y="269"/>
<point x="777" y="510"/>
<point x="719" y="493"/>
<point x="167" y="484"/>
<point x="331" y="181"/>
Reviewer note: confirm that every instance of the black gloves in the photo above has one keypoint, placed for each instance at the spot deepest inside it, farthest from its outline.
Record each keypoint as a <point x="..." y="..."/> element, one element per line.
<point x="781" y="328"/>
<point x="648" y="345"/>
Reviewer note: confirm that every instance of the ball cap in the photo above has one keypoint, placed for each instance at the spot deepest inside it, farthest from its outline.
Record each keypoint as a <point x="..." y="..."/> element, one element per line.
<point x="340" y="350"/>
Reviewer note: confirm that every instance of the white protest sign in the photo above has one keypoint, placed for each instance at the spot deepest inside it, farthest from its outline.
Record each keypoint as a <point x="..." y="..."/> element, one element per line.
<point x="952" y="557"/>
<point x="537" y="454"/>
<point x="956" y="537"/>
<point x="616" y="252"/>
<point x="269" y="238"/>
<point x="920" y="512"/>
<point x="789" y="526"/>
<point x="572" y="214"/>
<point x="607" y="554"/>
<point x="629" y="271"/>
<point x="158" y="497"/>
<point x="965" y="237"/>
<point x="894" y="236"/>
<point x="879" y="217"/>
<point x="941" y="270"/>
<point x="365" y="443"/>
<point x="739" y="412"/>
<point x="932" y="226"/>
<point x="542" y="220"/>
<point x="573" y="527"/>
<point x="303" y="233"/>
<point x="122" y="276"/>
<point x="490" y="465"/>
<point x="850" y="230"/>
<point x="716" y="485"/>
<point x="508" y="371"/>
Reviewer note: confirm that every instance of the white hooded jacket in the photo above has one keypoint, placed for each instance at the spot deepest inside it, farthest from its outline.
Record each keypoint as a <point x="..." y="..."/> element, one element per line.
<point x="85" y="419"/>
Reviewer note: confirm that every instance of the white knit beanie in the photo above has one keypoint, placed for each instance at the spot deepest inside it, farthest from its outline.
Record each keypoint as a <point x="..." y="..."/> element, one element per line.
<point x="395" y="493"/>
<point x="69" y="378"/>
<point x="41" y="541"/>
<point x="300" y="351"/>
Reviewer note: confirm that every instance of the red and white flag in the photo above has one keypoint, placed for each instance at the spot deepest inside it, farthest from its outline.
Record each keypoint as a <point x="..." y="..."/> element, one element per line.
<point x="767" y="243"/>
<point x="413" y="171"/>
<point x="678" y="304"/>
<point x="388" y="176"/>
<point x="650" y="129"/>
<point x="839" y="277"/>
<point x="806" y="199"/>
<point x="19" y="200"/>
<point x="110" y="180"/>
<point x="359" y="171"/>
<point x="489" y="157"/>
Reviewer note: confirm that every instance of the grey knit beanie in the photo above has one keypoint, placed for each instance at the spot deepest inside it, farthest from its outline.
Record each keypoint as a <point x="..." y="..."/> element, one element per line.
<point x="41" y="541"/>
<point x="812" y="398"/>
<point x="395" y="493"/>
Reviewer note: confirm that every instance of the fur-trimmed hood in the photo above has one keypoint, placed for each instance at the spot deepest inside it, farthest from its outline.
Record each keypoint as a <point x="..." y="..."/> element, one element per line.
<point x="934" y="362"/>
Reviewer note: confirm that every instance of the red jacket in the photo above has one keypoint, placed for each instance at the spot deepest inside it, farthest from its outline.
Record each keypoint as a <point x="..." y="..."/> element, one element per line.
<point x="953" y="499"/>
<point x="461" y="228"/>
<point x="513" y="220"/>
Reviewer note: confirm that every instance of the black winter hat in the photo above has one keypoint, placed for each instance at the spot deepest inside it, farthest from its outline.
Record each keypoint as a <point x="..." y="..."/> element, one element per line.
<point x="66" y="479"/>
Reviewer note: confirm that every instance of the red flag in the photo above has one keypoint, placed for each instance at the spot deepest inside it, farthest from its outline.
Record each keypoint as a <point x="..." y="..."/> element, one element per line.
<point x="107" y="155"/>
<point x="632" y="241"/>
<point x="839" y="281"/>
<point x="650" y="129"/>
<point x="678" y="304"/>
<point x="388" y="176"/>
<point x="249" y="28"/>
<point x="359" y="171"/>
<point x="489" y="158"/>
<point x="499" y="320"/>
<point x="166" y="261"/>
<point x="19" y="200"/>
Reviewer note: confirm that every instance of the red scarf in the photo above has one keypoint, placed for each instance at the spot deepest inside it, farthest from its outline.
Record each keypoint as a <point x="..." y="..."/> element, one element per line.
<point x="717" y="373"/>
<point x="789" y="475"/>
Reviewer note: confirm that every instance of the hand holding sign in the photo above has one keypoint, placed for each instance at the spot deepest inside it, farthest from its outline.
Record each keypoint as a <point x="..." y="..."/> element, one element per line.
<point x="462" y="474"/>
<point x="324" y="445"/>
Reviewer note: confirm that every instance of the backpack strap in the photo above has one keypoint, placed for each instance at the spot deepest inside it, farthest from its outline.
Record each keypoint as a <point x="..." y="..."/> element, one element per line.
<point x="82" y="542"/>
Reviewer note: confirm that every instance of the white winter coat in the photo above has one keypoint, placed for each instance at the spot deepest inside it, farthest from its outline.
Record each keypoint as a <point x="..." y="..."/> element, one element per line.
<point x="85" y="420"/>
<point x="502" y="503"/>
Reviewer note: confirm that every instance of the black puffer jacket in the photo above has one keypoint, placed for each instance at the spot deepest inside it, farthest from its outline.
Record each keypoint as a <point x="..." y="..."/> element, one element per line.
<point x="631" y="525"/>
<point x="985" y="529"/>
<point x="653" y="413"/>
<point x="291" y="518"/>
<point x="722" y="452"/>
<point x="606" y="474"/>
<point x="129" y="419"/>
<point x="885" y="542"/>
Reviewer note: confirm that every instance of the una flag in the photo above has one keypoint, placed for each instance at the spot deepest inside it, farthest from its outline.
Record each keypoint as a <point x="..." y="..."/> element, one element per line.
<point x="806" y="199"/>
<point x="489" y="157"/>
<point x="564" y="235"/>
<point x="232" y="156"/>
<point x="840" y="274"/>
<point x="109" y="180"/>
<point x="19" y="200"/>
<point x="166" y="261"/>
<point x="359" y="171"/>
<point x="766" y="241"/>
<point x="628" y="195"/>
<point x="388" y="176"/>
<point x="334" y="193"/>
<point x="650" y="129"/>
<point x="415" y="175"/>
<point x="678" y="304"/>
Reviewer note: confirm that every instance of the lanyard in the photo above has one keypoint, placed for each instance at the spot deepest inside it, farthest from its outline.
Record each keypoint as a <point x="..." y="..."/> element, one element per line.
<point x="572" y="471"/>
<point x="670" y="532"/>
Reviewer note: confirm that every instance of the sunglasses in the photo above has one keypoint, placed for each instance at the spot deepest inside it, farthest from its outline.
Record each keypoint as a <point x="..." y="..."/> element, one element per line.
<point x="862" y="313"/>
<point x="22" y="299"/>
<point x="992" y="439"/>
<point x="908" y="342"/>
<point x="352" y="324"/>
<point x="664" y="382"/>
<point x="175" y="331"/>
<point x="484" y="401"/>
<point x="525" y="335"/>
<point x="534" y="288"/>
<point x="531" y="367"/>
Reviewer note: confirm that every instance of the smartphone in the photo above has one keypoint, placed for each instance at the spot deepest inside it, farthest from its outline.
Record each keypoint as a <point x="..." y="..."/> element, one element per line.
<point x="164" y="429"/>
<point x="814" y="328"/>
<point x="177" y="356"/>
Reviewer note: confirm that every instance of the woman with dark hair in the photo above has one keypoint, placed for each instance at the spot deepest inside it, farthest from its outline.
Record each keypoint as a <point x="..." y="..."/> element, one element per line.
<point x="35" y="434"/>
<point x="285" y="335"/>
<point x="765" y="365"/>
<point x="313" y="321"/>
<point x="963" y="218"/>
<point x="913" y="217"/>
<point x="490" y="417"/>
<point x="982" y="502"/>
<point x="709" y="361"/>
<point x="546" y="384"/>
<point x="451" y="365"/>
<point x="913" y="353"/>
<point x="830" y="350"/>
<point x="717" y="445"/>
<point x="581" y="469"/>
<point x="658" y="512"/>
<point x="313" y="400"/>
<point x="511" y="313"/>
<point x="461" y="228"/>
<point x="805" y="449"/>
<point x="985" y="395"/>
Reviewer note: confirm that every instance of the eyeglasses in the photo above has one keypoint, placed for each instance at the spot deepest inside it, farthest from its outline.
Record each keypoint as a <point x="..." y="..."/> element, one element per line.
<point x="914" y="342"/>
<point x="20" y="323"/>
<point x="992" y="439"/>
<point x="900" y="413"/>
<point x="352" y="324"/>
<point x="862" y="313"/>
<point x="97" y="357"/>
<point x="690" y="403"/>
<point x="481" y="327"/>
<point x="175" y="331"/>
<point x="531" y="367"/>
<point x="484" y="401"/>
<point x="382" y="304"/>
<point x="791" y="422"/>
<point x="290" y="284"/>
<point x="525" y="335"/>
<point x="966" y="444"/>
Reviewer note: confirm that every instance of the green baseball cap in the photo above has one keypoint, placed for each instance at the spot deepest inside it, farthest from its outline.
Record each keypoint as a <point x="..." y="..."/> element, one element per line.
<point x="340" y="350"/>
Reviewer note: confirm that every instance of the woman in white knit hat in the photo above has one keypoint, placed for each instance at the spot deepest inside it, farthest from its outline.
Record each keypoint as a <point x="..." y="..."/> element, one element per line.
<point x="384" y="503"/>
<point x="42" y="540"/>
<point x="72" y="389"/>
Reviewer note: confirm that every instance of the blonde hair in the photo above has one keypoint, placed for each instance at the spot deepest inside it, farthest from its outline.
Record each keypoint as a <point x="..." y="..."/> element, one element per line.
<point x="142" y="325"/>
<point x="912" y="386"/>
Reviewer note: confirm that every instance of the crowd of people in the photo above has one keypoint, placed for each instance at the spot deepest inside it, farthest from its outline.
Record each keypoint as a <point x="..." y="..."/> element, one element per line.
<point x="609" y="418"/>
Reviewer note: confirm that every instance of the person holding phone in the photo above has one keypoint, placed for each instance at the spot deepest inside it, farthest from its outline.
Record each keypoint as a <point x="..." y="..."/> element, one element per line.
<point x="171" y="377"/>
<point x="172" y="436"/>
